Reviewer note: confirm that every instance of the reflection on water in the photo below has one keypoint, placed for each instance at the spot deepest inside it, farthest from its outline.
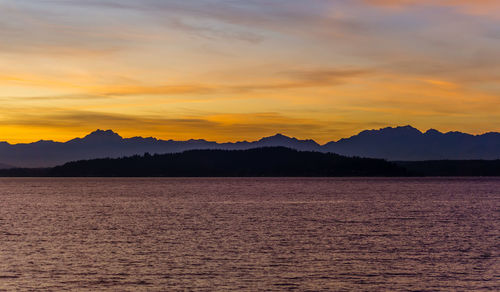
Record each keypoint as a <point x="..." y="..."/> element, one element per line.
<point x="249" y="234"/>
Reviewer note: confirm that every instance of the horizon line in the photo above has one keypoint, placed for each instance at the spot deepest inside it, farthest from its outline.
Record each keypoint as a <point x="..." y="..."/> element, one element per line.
<point x="279" y="133"/>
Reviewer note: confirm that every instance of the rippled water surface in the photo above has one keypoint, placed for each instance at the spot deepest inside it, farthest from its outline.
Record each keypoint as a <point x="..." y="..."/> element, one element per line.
<point x="249" y="234"/>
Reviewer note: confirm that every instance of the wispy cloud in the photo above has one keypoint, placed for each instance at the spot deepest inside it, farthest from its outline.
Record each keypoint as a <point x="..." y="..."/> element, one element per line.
<point x="351" y="61"/>
<point x="220" y="127"/>
<point x="488" y="8"/>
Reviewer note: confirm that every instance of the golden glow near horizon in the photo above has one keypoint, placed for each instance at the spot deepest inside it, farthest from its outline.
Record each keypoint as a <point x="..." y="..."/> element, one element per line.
<point x="240" y="70"/>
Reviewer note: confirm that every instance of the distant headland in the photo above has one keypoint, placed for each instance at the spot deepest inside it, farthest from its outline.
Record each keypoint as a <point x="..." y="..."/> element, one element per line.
<point x="257" y="162"/>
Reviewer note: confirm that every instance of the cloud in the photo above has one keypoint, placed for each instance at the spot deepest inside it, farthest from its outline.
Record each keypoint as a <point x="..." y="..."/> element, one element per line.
<point x="477" y="3"/>
<point x="79" y="88"/>
<point x="154" y="90"/>
<point x="327" y="76"/>
<point x="285" y="80"/>
<point x="73" y="97"/>
<point x="297" y="79"/>
<point x="100" y="28"/>
<point x="37" y="29"/>
<point x="476" y="7"/>
<point x="220" y="127"/>
<point x="286" y="57"/>
<point x="74" y="119"/>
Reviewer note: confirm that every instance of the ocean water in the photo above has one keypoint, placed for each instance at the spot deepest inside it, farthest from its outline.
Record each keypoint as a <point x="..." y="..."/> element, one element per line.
<point x="246" y="234"/>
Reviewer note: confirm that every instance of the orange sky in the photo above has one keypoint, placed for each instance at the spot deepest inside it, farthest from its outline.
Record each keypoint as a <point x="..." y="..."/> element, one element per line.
<point x="236" y="70"/>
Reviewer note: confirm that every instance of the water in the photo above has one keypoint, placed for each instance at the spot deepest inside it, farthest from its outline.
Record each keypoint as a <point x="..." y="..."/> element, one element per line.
<point x="249" y="234"/>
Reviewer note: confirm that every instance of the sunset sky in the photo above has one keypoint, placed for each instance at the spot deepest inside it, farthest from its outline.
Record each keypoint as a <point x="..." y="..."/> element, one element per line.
<point x="243" y="69"/>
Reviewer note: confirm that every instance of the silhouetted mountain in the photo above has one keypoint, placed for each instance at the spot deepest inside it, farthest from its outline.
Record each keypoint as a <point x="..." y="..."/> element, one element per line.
<point x="108" y="144"/>
<point x="409" y="144"/>
<point x="400" y="143"/>
<point x="282" y="140"/>
<point x="5" y="166"/>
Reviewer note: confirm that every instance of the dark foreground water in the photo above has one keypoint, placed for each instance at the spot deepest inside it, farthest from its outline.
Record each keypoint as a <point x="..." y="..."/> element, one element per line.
<point x="249" y="234"/>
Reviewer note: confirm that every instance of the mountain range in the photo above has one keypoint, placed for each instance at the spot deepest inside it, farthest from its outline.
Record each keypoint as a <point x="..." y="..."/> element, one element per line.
<point x="396" y="144"/>
<point x="5" y="166"/>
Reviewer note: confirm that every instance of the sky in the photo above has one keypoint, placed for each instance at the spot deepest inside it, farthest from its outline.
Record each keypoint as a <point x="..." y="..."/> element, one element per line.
<point x="242" y="69"/>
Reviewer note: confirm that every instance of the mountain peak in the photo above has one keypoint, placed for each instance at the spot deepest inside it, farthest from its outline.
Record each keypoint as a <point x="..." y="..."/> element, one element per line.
<point x="400" y="130"/>
<point x="286" y="141"/>
<point x="103" y="134"/>
<point x="277" y="137"/>
<point x="408" y="129"/>
<point x="432" y="132"/>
